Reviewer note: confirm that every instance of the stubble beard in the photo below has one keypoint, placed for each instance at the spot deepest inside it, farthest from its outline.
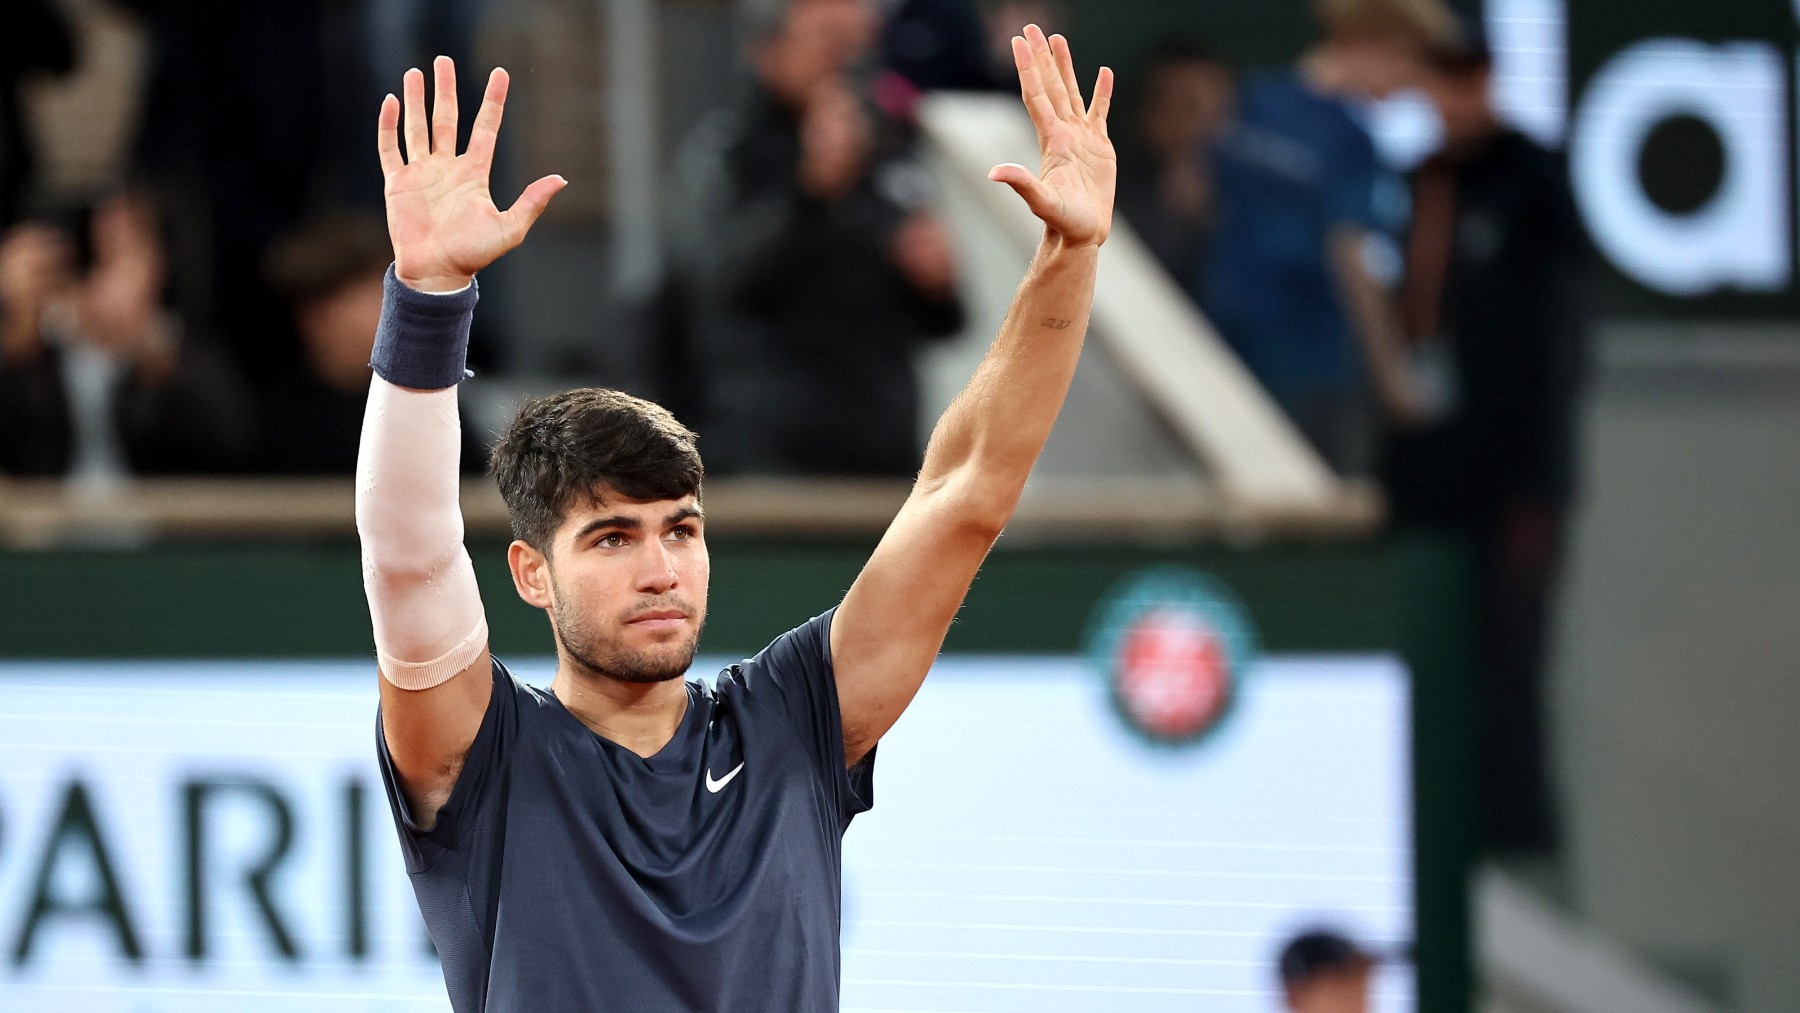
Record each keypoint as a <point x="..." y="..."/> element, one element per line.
<point x="607" y="657"/>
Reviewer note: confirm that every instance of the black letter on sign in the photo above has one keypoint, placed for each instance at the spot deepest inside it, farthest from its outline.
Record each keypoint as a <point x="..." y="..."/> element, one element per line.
<point x="356" y="926"/>
<point x="76" y="826"/>
<point x="256" y="877"/>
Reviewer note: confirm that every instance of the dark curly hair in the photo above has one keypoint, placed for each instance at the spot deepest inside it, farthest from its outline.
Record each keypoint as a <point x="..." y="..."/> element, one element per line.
<point x="578" y="446"/>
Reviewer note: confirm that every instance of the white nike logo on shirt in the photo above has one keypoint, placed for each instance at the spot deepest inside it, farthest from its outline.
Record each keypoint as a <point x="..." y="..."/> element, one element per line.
<point x="714" y="786"/>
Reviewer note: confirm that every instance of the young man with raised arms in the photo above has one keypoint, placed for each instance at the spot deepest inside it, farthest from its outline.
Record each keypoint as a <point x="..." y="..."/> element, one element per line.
<point x="628" y="839"/>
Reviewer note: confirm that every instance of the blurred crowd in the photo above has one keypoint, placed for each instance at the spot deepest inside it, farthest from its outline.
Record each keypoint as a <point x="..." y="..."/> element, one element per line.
<point x="210" y="307"/>
<point x="206" y="307"/>
<point x="805" y="264"/>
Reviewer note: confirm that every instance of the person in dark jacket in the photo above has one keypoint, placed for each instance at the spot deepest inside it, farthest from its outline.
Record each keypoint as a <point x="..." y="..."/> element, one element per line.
<point x="939" y="45"/>
<point x="97" y="379"/>
<point x="1166" y="176"/>
<point x="236" y="140"/>
<point x="1493" y="266"/>
<point x="819" y="269"/>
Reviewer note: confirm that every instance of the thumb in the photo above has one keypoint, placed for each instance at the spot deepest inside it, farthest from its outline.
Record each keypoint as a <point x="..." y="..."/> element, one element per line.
<point x="531" y="203"/>
<point x="1025" y="184"/>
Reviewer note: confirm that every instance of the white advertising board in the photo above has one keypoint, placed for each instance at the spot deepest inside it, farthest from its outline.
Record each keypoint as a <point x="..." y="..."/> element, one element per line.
<point x="212" y="836"/>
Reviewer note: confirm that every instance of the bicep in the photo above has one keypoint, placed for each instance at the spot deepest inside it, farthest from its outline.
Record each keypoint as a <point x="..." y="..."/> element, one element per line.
<point x="888" y="630"/>
<point x="428" y="732"/>
<point x="436" y="673"/>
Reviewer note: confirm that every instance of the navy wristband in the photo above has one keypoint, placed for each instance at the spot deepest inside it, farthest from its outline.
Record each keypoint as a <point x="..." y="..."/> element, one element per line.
<point x="422" y="341"/>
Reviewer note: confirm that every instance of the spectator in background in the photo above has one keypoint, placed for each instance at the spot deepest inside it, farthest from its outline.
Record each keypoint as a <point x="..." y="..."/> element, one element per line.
<point x="237" y="137"/>
<point x="1493" y="266"/>
<point x="331" y="272"/>
<point x="1323" y="972"/>
<point x="36" y="39"/>
<point x="1300" y="197"/>
<point x="96" y="378"/>
<point x="817" y="266"/>
<point x="400" y="34"/>
<point x="939" y="45"/>
<point x="1166" y="176"/>
<point x="1007" y="18"/>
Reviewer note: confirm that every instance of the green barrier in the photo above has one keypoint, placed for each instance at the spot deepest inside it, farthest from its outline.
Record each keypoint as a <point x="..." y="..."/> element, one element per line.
<point x="305" y="600"/>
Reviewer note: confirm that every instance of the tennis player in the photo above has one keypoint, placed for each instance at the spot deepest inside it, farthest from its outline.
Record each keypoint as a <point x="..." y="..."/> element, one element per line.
<point x="627" y="839"/>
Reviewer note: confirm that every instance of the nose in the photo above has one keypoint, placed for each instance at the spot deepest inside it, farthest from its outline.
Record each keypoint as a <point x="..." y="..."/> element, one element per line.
<point x="657" y="574"/>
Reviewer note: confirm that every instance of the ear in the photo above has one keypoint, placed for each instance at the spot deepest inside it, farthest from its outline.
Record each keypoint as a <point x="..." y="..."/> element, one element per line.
<point x="530" y="574"/>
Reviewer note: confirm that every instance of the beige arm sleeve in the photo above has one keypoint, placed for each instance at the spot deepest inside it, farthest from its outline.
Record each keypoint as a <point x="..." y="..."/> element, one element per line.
<point x="423" y="598"/>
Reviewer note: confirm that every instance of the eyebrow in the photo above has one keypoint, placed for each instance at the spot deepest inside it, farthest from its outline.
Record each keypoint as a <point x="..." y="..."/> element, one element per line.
<point x="624" y="523"/>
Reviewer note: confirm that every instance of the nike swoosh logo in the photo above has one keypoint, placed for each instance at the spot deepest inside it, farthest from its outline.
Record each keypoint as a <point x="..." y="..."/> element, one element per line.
<point x="714" y="786"/>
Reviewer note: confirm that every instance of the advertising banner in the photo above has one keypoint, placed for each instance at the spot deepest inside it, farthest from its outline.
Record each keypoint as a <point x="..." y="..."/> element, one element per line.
<point x="1677" y="119"/>
<point x="212" y="836"/>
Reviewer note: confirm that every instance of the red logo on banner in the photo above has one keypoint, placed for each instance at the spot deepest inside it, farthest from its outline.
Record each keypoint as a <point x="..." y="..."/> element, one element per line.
<point x="1172" y="674"/>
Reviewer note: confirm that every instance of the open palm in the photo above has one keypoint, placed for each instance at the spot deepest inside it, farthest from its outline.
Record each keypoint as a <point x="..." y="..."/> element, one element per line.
<point x="441" y="218"/>
<point x="1073" y="189"/>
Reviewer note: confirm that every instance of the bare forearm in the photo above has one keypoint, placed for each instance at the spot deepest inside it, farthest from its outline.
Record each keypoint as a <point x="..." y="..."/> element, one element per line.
<point x="891" y="624"/>
<point x="991" y="435"/>
<point x="1377" y="324"/>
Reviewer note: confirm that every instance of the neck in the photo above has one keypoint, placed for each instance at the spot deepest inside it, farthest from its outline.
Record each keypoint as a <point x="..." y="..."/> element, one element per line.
<point x="641" y="716"/>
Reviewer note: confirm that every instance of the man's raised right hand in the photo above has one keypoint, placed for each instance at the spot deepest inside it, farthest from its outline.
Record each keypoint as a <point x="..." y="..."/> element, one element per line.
<point x="441" y="217"/>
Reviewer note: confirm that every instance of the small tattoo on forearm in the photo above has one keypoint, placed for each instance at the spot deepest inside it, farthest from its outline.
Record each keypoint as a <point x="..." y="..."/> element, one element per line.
<point x="1057" y="325"/>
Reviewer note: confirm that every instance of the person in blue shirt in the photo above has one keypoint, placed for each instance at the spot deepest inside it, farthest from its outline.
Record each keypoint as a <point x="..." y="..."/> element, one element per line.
<point x="1300" y="195"/>
<point x="626" y="839"/>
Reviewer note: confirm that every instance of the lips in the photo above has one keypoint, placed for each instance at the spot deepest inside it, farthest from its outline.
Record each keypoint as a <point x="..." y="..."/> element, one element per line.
<point x="660" y="619"/>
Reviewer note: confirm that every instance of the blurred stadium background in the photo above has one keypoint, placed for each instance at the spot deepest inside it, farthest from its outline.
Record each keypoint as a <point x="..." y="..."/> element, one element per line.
<point x="1206" y="693"/>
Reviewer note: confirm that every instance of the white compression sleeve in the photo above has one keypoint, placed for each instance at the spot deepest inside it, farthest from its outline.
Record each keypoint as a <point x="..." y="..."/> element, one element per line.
<point x="423" y="598"/>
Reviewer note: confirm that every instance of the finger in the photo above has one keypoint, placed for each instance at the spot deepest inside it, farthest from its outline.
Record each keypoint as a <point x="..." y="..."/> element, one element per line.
<point x="1103" y="91"/>
<point x="1025" y="185"/>
<point x="412" y="89"/>
<point x="1065" y="66"/>
<point x="387" y="136"/>
<point x="1031" y="87"/>
<point x="1044" y="62"/>
<point x="487" y="121"/>
<point x="518" y="219"/>
<point x="443" y="111"/>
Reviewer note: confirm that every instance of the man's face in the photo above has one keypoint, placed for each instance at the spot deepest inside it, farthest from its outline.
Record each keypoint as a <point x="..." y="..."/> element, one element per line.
<point x="1462" y="102"/>
<point x="626" y="582"/>
<point x="820" y="40"/>
<point x="1188" y="103"/>
<point x="1385" y="66"/>
<point x="338" y="331"/>
<point x="1344" y="990"/>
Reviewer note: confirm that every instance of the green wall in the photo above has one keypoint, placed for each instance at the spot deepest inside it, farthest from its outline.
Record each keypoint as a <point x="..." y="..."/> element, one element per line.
<point x="306" y="599"/>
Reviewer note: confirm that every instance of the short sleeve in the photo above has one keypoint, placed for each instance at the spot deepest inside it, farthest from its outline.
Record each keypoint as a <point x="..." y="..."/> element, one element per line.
<point x="797" y="666"/>
<point x="1353" y="184"/>
<point x="480" y="775"/>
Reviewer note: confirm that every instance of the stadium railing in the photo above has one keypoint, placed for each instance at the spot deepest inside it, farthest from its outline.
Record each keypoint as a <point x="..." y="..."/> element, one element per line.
<point x="37" y="514"/>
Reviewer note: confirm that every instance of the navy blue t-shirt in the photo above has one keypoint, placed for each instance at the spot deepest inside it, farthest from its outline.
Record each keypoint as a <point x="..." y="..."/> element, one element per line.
<point x="568" y="873"/>
<point x="1296" y="166"/>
